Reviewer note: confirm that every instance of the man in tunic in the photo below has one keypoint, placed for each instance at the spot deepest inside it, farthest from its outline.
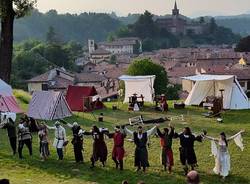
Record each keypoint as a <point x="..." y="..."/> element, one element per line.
<point x="60" y="138"/>
<point x="9" y="124"/>
<point x="166" y="144"/>
<point x="24" y="136"/>
<point x="187" y="153"/>
<point x="118" y="148"/>
<point x="100" y="151"/>
<point x="141" y="152"/>
<point x="77" y="141"/>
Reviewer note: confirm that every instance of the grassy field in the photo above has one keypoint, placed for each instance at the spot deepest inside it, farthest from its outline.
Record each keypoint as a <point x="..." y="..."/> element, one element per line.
<point x="32" y="170"/>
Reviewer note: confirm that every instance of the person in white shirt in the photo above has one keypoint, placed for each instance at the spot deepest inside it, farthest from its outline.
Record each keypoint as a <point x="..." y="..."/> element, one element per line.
<point x="60" y="138"/>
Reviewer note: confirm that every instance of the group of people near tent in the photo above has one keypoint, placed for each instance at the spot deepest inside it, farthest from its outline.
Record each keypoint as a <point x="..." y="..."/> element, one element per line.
<point x="140" y="138"/>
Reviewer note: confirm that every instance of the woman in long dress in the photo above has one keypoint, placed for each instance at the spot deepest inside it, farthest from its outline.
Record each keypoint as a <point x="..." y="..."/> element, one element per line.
<point x="219" y="147"/>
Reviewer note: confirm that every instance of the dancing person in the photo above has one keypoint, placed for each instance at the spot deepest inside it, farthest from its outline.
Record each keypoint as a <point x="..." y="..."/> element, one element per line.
<point x="24" y="136"/>
<point x="141" y="152"/>
<point x="77" y="141"/>
<point x="187" y="153"/>
<point x="60" y="138"/>
<point x="43" y="135"/>
<point x="221" y="154"/>
<point x="100" y="151"/>
<point x="193" y="177"/>
<point x="118" y="148"/>
<point x="9" y="124"/>
<point x="166" y="144"/>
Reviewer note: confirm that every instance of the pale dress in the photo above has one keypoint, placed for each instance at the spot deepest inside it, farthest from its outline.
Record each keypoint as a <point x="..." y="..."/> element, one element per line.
<point x="222" y="160"/>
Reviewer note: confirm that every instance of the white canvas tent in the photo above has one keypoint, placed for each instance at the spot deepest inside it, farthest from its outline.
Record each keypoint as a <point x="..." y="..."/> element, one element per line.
<point x="140" y="85"/>
<point x="201" y="86"/>
<point x="48" y="105"/>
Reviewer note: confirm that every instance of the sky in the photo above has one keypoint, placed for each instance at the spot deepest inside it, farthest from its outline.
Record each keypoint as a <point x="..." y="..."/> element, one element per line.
<point x="192" y="8"/>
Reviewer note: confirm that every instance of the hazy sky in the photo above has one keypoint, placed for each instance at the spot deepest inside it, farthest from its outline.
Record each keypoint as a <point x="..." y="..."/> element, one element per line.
<point x="159" y="7"/>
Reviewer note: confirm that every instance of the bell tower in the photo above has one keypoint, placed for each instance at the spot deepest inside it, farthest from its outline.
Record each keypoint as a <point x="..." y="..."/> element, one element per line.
<point x="175" y="11"/>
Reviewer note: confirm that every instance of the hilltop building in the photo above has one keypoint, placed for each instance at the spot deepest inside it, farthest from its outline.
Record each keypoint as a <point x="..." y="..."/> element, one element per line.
<point x="179" y="24"/>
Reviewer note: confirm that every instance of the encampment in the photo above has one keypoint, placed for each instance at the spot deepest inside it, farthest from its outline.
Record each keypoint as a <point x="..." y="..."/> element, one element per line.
<point x="8" y="102"/>
<point x="82" y="98"/>
<point x="201" y="86"/>
<point x="141" y="85"/>
<point x="48" y="105"/>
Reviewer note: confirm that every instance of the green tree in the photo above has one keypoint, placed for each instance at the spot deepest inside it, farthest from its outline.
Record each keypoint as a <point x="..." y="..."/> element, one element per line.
<point x="51" y="35"/>
<point x="243" y="45"/>
<point x="145" y="26"/>
<point x="212" y="26"/>
<point x="27" y="64"/>
<point x="9" y="10"/>
<point x="147" y="67"/>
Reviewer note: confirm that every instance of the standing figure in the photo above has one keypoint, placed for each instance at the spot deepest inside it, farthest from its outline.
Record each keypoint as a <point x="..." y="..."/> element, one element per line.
<point x="221" y="154"/>
<point x="163" y="103"/>
<point x="60" y="138"/>
<point x="77" y="141"/>
<point x="43" y="135"/>
<point x="187" y="153"/>
<point x="141" y="152"/>
<point x="100" y="151"/>
<point x="24" y="136"/>
<point x="166" y="144"/>
<point x="118" y="148"/>
<point x="9" y="124"/>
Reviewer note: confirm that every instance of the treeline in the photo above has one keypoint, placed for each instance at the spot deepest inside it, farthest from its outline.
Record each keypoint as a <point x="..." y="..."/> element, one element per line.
<point x="153" y="37"/>
<point x="69" y="26"/>
<point x="34" y="57"/>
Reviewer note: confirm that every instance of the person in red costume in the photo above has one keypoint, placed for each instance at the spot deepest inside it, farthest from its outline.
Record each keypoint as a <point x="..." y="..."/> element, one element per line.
<point x="118" y="148"/>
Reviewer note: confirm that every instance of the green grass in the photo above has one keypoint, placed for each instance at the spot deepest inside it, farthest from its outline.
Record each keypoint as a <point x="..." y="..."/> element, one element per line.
<point x="32" y="170"/>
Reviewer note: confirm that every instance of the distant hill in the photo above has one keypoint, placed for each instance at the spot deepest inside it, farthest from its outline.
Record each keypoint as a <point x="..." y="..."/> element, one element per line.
<point x="69" y="26"/>
<point x="239" y="23"/>
<point x="97" y="25"/>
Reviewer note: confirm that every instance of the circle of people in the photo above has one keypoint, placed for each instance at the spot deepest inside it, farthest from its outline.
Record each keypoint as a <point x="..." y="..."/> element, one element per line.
<point x="140" y="138"/>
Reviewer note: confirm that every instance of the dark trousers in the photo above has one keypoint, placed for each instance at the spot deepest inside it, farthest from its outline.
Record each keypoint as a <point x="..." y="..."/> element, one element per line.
<point x="28" y="143"/>
<point x="13" y="144"/>
<point x="78" y="153"/>
<point x="60" y="153"/>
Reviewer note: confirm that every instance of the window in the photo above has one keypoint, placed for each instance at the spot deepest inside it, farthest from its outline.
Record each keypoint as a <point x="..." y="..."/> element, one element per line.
<point x="248" y="85"/>
<point x="242" y="84"/>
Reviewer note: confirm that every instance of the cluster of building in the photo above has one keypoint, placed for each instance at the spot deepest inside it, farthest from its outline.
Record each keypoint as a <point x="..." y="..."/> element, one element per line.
<point x="179" y="24"/>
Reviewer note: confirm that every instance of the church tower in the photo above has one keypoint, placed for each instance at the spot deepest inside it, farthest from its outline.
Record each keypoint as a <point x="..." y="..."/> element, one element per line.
<point x="175" y="11"/>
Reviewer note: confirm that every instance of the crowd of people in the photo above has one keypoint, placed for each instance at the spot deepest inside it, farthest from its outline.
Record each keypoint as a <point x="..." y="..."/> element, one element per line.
<point x="140" y="138"/>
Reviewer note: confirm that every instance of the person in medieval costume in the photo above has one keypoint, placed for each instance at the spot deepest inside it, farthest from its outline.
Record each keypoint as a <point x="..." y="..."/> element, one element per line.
<point x="9" y="124"/>
<point x="60" y="139"/>
<point x="43" y="135"/>
<point x="187" y="153"/>
<point x="24" y="136"/>
<point x="77" y="141"/>
<point x="219" y="147"/>
<point x="118" y="148"/>
<point x="100" y="151"/>
<point x="141" y="152"/>
<point x="166" y="144"/>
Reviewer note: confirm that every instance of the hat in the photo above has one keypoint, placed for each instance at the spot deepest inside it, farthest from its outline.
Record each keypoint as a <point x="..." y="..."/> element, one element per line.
<point x="134" y="94"/>
<point x="139" y="126"/>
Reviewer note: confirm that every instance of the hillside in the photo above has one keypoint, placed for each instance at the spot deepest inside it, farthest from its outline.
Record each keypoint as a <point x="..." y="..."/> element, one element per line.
<point x="69" y="26"/>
